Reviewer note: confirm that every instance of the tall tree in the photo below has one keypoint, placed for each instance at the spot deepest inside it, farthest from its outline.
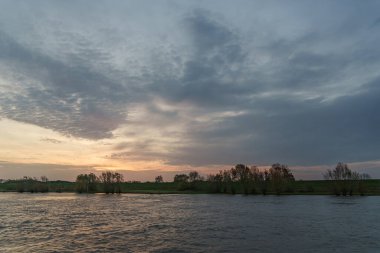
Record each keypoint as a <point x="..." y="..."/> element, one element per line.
<point x="280" y="177"/>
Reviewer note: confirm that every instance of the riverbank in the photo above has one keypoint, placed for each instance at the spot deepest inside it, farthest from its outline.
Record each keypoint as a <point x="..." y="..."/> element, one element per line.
<point x="299" y="187"/>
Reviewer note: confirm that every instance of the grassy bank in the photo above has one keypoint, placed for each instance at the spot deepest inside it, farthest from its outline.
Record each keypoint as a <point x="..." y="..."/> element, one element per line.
<point x="300" y="187"/>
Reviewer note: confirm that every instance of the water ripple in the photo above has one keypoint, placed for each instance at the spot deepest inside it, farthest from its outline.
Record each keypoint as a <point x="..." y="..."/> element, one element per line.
<point x="187" y="223"/>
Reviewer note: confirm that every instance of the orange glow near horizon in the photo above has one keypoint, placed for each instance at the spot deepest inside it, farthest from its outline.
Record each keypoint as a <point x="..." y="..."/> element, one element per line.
<point x="30" y="144"/>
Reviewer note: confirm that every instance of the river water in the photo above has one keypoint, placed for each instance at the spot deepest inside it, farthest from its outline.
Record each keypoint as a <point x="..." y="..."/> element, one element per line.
<point x="187" y="223"/>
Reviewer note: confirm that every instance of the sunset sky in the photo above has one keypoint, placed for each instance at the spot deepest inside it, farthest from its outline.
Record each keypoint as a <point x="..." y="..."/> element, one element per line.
<point x="158" y="87"/>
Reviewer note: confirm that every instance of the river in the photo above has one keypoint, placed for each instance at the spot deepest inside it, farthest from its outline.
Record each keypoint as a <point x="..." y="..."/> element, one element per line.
<point x="68" y="222"/>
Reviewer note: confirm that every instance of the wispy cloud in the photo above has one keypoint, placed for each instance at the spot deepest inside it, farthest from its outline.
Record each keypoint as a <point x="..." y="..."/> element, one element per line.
<point x="51" y="140"/>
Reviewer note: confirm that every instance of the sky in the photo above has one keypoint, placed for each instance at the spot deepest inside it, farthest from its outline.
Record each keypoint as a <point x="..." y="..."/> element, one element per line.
<point x="164" y="87"/>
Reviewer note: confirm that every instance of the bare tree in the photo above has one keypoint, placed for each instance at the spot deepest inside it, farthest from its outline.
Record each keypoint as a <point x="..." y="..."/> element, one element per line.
<point x="194" y="176"/>
<point x="158" y="179"/>
<point x="344" y="181"/>
<point x="112" y="182"/>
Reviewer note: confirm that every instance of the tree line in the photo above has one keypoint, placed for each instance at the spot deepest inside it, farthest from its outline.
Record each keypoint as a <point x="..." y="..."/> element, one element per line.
<point x="278" y="179"/>
<point x="251" y="180"/>
<point x="32" y="184"/>
<point x="240" y="179"/>
<point x="110" y="182"/>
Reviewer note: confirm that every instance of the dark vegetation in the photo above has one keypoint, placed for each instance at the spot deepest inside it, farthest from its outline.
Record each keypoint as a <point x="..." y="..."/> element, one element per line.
<point x="86" y="183"/>
<point x="111" y="182"/>
<point x="34" y="185"/>
<point x="241" y="179"/>
<point x="346" y="182"/>
<point x="159" y="179"/>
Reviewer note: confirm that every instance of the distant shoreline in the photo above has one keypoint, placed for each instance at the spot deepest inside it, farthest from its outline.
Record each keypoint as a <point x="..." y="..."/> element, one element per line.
<point x="300" y="187"/>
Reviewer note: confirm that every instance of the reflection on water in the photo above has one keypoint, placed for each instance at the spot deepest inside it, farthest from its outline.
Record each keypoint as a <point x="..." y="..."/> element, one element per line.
<point x="187" y="223"/>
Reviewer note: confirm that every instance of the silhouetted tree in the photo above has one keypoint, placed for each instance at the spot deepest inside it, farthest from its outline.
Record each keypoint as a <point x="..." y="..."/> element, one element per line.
<point x="43" y="185"/>
<point x="194" y="176"/>
<point x="86" y="183"/>
<point x="216" y="182"/>
<point x="112" y="182"/>
<point x="254" y="178"/>
<point x="280" y="177"/>
<point x="241" y="174"/>
<point x="181" y="178"/>
<point x="106" y="178"/>
<point x="29" y="184"/>
<point x="340" y="177"/>
<point x="227" y="182"/>
<point x="158" y="179"/>
<point x="344" y="181"/>
<point x="118" y="179"/>
<point x="194" y="179"/>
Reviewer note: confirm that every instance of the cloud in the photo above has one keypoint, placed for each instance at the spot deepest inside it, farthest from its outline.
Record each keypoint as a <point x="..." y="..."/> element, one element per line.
<point x="201" y="84"/>
<point x="51" y="140"/>
<point x="73" y="100"/>
<point x="213" y="65"/>
<point x="9" y="170"/>
<point x="304" y="108"/>
<point x="303" y="132"/>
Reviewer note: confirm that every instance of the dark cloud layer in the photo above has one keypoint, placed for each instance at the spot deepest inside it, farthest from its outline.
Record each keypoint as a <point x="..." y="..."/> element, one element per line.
<point x="303" y="133"/>
<point x="260" y="85"/>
